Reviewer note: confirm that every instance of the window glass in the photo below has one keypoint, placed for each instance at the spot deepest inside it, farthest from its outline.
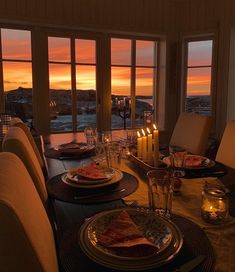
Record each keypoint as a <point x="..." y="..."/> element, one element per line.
<point x="144" y="93"/>
<point x="60" y="97"/>
<point x="198" y="81"/>
<point x="17" y="72"/>
<point x="145" y="53"/>
<point x="86" y="96"/>
<point x="59" y="49"/>
<point x="199" y="53"/>
<point x="120" y="51"/>
<point x="85" y="51"/>
<point x="16" y="44"/>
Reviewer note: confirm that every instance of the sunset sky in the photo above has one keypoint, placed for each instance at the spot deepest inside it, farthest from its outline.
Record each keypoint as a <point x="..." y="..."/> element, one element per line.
<point x="16" y="46"/>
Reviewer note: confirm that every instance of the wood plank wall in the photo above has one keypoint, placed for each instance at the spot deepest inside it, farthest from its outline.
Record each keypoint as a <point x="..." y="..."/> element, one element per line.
<point x="149" y="16"/>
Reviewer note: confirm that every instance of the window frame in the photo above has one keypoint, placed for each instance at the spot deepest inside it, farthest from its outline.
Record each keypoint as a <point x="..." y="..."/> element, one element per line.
<point x="72" y="36"/>
<point x="133" y="66"/>
<point x="184" y="70"/>
<point x="2" y="93"/>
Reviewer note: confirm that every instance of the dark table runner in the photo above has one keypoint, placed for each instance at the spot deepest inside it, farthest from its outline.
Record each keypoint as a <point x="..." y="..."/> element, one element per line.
<point x="195" y="243"/>
<point x="59" y="190"/>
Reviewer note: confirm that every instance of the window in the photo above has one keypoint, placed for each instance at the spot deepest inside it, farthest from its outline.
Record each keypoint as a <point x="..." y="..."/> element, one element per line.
<point x="72" y="77"/>
<point x="16" y="63"/>
<point x="198" y="76"/>
<point x="133" y="73"/>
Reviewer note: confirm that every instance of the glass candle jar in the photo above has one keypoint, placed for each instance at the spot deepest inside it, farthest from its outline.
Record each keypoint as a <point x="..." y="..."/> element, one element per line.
<point x="214" y="208"/>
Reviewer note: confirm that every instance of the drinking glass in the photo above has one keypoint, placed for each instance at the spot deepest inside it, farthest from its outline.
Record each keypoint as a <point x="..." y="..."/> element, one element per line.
<point x="177" y="161"/>
<point x="90" y="135"/>
<point x="160" y="191"/>
<point x="113" y="154"/>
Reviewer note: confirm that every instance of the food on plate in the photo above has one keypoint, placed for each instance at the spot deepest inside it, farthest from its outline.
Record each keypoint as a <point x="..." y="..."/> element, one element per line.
<point x="194" y="161"/>
<point x="71" y="145"/>
<point x="91" y="171"/>
<point x="124" y="236"/>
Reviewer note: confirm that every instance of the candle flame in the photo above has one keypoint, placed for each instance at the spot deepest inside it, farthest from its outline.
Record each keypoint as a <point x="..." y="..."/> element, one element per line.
<point x="143" y="132"/>
<point x="148" y="130"/>
<point x="211" y="207"/>
<point x="138" y="134"/>
<point x="154" y="126"/>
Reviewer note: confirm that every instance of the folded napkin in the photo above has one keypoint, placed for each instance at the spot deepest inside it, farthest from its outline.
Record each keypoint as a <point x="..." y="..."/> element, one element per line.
<point x="194" y="161"/>
<point x="124" y="236"/>
<point x="91" y="171"/>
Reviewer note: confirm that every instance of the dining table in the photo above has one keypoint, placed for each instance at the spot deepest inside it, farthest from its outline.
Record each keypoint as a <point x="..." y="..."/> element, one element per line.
<point x="215" y="242"/>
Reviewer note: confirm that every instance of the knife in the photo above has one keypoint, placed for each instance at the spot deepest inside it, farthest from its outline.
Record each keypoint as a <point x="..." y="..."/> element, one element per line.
<point x="98" y="195"/>
<point x="190" y="265"/>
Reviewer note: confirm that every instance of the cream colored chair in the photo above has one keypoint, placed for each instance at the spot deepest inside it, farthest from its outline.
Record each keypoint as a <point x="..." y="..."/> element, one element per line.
<point x="191" y="132"/>
<point x="226" y="151"/>
<point x="26" y="237"/>
<point x="17" y="122"/>
<point x="17" y="142"/>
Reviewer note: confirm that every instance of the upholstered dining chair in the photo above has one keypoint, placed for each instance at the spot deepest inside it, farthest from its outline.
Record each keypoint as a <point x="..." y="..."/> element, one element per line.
<point x="191" y="132"/>
<point x="26" y="236"/>
<point x="17" y="122"/>
<point x="226" y="151"/>
<point x="17" y="142"/>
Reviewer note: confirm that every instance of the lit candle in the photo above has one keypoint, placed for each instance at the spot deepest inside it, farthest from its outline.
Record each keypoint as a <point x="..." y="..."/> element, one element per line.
<point x="156" y="145"/>
<point x="144" y="146"/>
<point x="139" y="145"/>
<point x="150" y="146"/>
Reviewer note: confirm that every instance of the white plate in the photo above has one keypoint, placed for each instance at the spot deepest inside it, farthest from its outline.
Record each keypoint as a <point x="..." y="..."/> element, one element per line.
<point x="131" y="264"/>
<point x="117" y="176"/>
<point x="72" y="176"/>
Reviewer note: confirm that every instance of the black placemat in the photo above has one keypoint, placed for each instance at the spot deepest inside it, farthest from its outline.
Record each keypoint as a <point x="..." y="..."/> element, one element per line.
<point x="57" y="154"/>
<point x="59" y="190"/>
<point x="218" y="170"/>
<point x="195" y="243"/>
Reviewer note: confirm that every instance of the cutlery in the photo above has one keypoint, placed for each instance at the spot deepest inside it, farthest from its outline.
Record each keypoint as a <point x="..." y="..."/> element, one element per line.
<point x="98" y="195"/>
<point x="190" y="265"/>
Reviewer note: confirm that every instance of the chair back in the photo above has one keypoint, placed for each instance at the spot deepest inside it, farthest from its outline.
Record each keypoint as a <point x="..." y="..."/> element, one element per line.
<point x="226" y="151"/>
<point x="26" y="237"/>
<point x="191" y="132"/>
<point x="17" y="142"/>
<point x="17" y="122"/>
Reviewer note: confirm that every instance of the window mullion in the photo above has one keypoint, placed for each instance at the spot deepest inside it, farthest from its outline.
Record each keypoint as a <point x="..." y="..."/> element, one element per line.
<point x="133" y="81"/>
<point x="73" y="86"/>
<point x="2" y="104"/>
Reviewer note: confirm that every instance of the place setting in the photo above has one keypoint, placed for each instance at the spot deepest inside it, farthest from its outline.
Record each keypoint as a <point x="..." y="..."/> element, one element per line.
<point x="99" y="180"/>
<point x="139" y="238"/>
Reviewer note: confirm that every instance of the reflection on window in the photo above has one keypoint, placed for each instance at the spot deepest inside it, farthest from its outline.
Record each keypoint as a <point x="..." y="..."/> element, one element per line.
<point x="198" y="81"/>
<point x="144" y="85"/>
<point x="137" y="74"/>
<point x="17" y="72"/>
<point x="85" y="52"/>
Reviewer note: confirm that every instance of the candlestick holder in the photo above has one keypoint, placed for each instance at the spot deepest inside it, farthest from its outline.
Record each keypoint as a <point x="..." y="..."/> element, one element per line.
<point x="124" y="111"/>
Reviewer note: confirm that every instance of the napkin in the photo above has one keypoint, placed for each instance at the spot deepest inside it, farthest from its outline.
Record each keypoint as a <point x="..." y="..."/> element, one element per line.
<point x="91" y="171"/>
<point x="124" y="236"/>
<point x="194" y="161"/>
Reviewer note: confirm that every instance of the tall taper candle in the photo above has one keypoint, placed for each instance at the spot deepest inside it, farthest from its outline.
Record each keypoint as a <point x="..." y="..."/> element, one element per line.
<point x="144" y="146"/>
<point x="150" y="146"/>
<point x="139" y="145"/>
<point x="156" y="145"/>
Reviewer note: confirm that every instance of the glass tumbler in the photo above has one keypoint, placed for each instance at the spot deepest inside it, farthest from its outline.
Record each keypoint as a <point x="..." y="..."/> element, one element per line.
<point x="160" y="191"/>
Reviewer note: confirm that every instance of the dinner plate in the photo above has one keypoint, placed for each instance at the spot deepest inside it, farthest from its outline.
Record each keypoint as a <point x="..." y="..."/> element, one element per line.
<point x="130" y="264"/>
<point x="72" y="175"/>
<point x="207" y="163"/>
<point x="117" y="176"/>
